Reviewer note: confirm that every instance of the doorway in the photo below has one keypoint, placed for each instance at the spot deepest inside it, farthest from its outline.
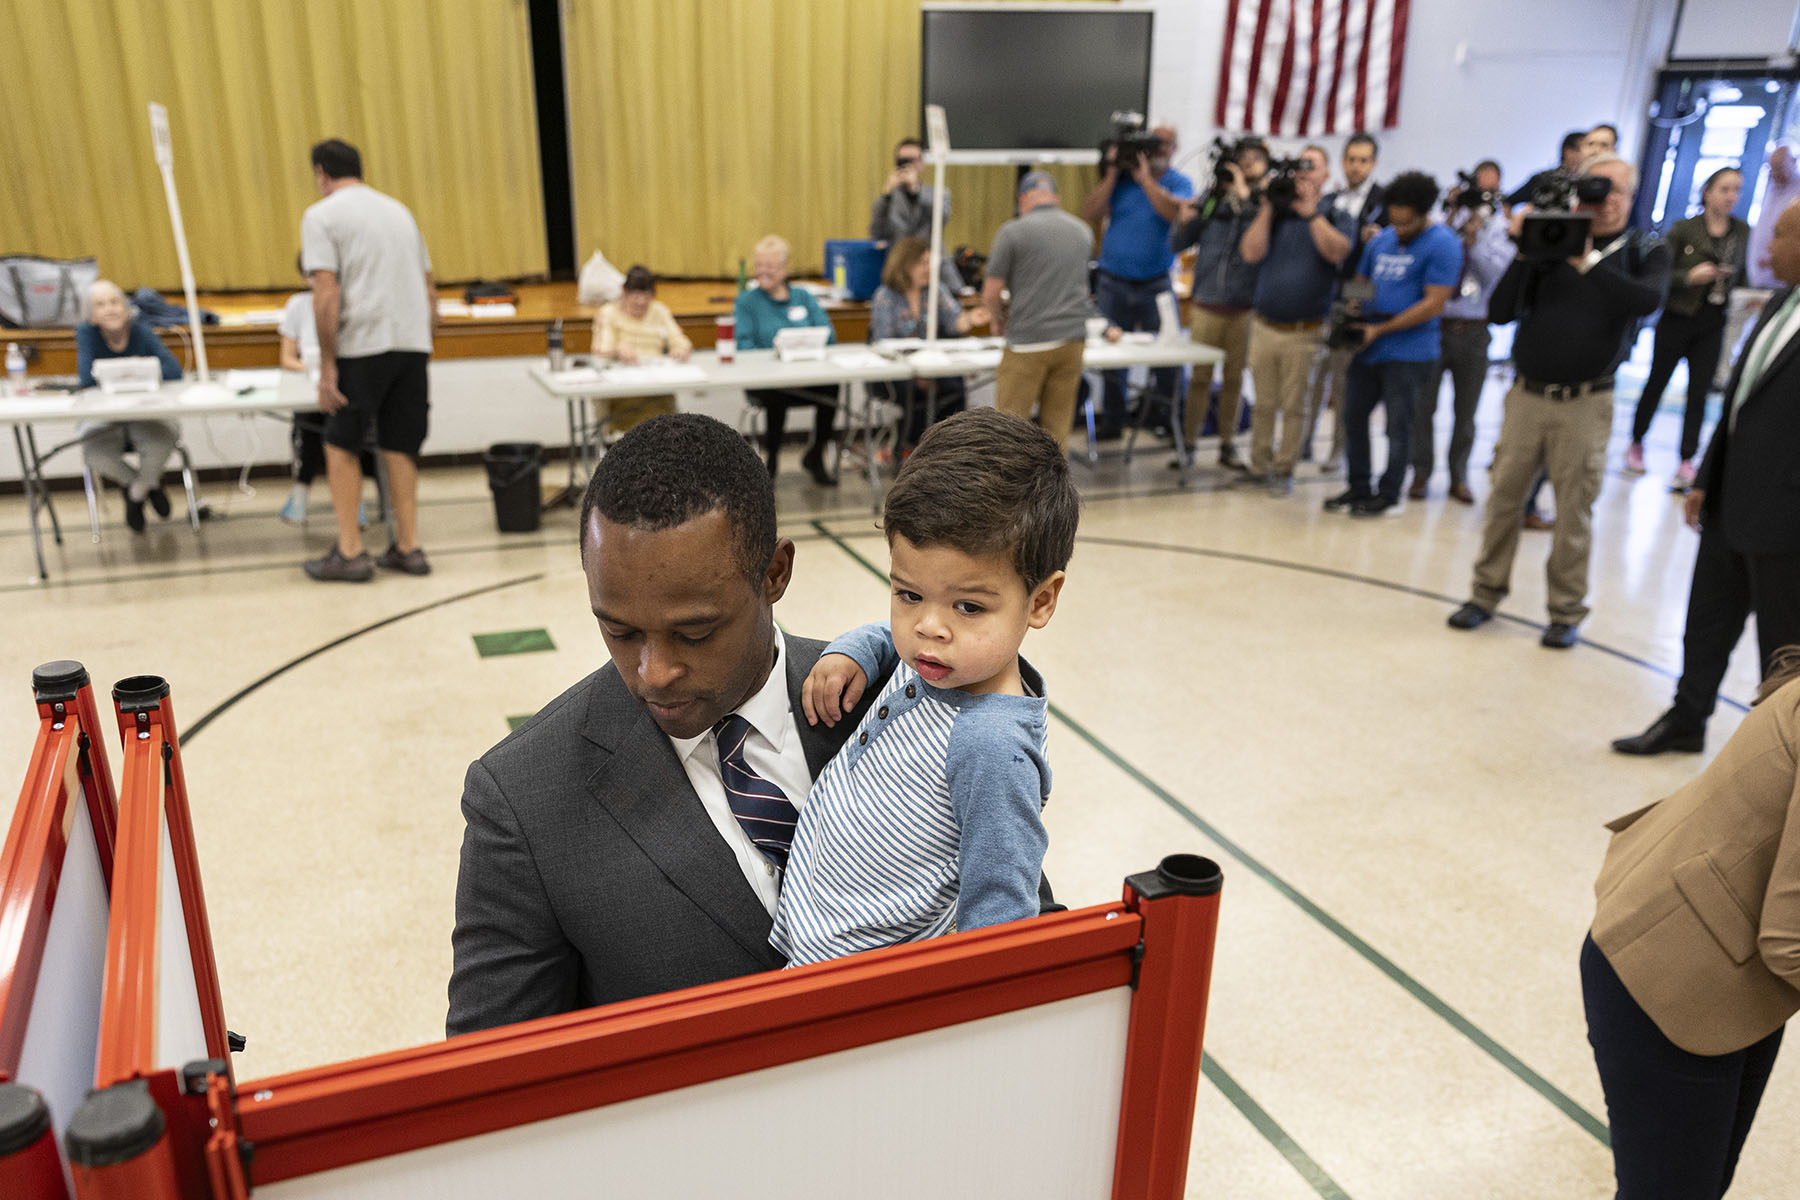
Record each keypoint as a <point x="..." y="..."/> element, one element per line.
<point x="1701" y="121"/>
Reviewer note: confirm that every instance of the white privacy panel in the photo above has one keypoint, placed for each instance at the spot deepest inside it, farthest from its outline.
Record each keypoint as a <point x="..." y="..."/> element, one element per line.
<point x="180" y="1034"/>
<point x="1021" y="1104"/>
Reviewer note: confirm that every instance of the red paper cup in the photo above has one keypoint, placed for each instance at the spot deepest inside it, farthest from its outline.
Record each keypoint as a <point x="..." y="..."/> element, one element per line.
<point x="725" y="336"/>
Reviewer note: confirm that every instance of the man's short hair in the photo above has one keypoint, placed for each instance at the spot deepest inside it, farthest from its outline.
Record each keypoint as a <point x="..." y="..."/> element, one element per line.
<point x="1612" y="129"/>
<point x="1572" y="140"/>
<point x="1363" y="138"/>
<point x="1033" y="180"/>
<point x="1412" y="189"/>
<point x="1249" y="142"/>
<point x="1487" y="164"/>
<point x="904" y="142"/>
<point x="1315" y="148"/>
<point x="986" y="483"/>
<point x="639" y="279"/>
<point x="338" y="159"/>
<point x="679" y="466"/>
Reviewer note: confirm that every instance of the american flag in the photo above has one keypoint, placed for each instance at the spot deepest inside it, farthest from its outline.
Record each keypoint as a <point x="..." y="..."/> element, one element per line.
<point x="1297" y="68"/>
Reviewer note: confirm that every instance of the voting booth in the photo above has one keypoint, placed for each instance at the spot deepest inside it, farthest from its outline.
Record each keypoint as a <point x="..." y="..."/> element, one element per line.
<point x="56" y="873"/>
<point x="1053" y="1056"/>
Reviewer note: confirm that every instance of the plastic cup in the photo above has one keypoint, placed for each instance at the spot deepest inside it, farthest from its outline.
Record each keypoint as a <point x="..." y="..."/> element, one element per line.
<point x="725" y="337"/>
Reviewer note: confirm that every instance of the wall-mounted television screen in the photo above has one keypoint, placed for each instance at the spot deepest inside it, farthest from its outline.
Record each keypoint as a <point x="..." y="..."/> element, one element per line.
<point x="1034" y="77"/>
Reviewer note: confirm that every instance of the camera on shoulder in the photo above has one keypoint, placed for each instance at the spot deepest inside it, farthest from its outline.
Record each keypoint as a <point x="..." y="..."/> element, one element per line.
<point x="1130" y="141"/>
<point x="1467" y="198"/>
<point x="1280" y="185"/>
<point x="1553" y="228"/>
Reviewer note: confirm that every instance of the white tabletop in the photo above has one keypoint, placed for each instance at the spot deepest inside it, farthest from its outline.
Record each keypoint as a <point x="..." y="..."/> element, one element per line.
<point x="748" y="369"/>
<point x="170" y="402"/>
<point x="960" y="356"/>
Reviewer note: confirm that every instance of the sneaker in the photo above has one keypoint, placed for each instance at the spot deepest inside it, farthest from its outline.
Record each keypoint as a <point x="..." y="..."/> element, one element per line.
<point x="293" y="509"/>
<point x="1281" y="485"/>
<point x="159" y="500"/>
<point x="1684" y="477"/>
<point x="1378" y="506"/>
<point x="413" y="562"/>
<point x="335" y="568"/>
<point x="1345" y="499"/>
<point x="1634" y="459"/>
<point x="1470" y="616"/>
<point x="1228" y="457"/>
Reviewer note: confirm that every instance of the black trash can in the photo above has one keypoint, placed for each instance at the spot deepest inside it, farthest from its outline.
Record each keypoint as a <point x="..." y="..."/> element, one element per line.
<point x="513" y="469"/>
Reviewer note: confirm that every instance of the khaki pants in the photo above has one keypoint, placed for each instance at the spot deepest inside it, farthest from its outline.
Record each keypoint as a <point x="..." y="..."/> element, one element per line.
<point x="1230" y="333"/>
<point x="1329" y="386"/>
<point x="1280" y="362"/>
<point x="1568" y="438"/>
<point x="1045" y="380"/>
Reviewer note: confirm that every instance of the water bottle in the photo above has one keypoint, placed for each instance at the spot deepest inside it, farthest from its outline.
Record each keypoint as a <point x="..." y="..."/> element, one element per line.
<point x="16" y="384"/>
<point x="555" y="339"/>
<point x="840" y="276"/>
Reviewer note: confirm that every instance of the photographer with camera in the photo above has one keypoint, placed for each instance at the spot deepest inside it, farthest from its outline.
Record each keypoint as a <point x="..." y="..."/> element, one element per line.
<point x="1475" y="211"/>
<point x="1297" y="244"/>
<point x="1410" y="269"/>
<point x="904" y="208"/>
<point x="1224" y="284"/>
<point x="1580" y="286"/>
<point x="1139" y="196"/>
<point x="1359" y="201"/>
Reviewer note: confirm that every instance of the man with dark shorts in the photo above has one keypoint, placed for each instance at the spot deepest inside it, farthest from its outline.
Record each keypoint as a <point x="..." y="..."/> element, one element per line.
<point x="366" y="259"/>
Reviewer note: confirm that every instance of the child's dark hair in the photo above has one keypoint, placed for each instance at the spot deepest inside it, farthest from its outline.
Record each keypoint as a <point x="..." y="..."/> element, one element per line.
<point x="986" y="483"/>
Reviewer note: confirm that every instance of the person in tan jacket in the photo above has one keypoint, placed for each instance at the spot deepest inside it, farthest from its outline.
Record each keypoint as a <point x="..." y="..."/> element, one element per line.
<point x="1692" y="966"/>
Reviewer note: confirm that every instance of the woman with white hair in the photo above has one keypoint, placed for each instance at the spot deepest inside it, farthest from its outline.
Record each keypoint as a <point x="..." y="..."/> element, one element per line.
<point x="762" y="312"/>
<point x="113" y="330"/>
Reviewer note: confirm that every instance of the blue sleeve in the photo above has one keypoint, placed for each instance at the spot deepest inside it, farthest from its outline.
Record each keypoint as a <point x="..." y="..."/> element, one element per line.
<point x="87" y="347"/>
<point x="815" y="314"/>
<point x="144" y="341"/>
<point x="885" y="314"/>
<point x="1445" y="263"/>
<point x="1365" y="263"/>
<point x="1178" y="185"/>
<point x="998" y="780"/>
<point x="872" y="646"/>
<point x="746" y="314"/>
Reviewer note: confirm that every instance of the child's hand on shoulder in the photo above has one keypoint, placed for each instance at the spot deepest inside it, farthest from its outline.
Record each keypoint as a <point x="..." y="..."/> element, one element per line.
<point x="832" y="688"/>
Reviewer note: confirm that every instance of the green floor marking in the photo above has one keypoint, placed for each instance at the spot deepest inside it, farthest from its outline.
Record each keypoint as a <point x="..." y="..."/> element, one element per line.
<point x="513" y="723"/>
<point x="1431" y="1000"/>
<point x="1272" y="1131"/>
<point x="513" y="641"/>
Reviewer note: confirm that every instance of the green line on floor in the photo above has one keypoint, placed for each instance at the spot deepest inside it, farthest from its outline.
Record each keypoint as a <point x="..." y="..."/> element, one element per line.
<point x="513" y="641"/>
<point x="1431" y="1000"/>
<point x="513" y="723"/>
<point x="1271" y="1130"/>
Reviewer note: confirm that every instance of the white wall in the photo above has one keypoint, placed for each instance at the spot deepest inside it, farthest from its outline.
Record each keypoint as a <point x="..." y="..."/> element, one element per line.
<point x="1502" y="81"/>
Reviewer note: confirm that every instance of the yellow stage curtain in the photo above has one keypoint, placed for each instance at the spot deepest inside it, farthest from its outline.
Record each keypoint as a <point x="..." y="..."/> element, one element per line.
<point x="437" y="96"/>
<point x="697" y="126"/>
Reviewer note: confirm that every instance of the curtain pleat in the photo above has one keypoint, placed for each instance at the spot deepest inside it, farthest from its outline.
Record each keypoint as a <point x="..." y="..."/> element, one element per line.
<point x="437" y="95"/>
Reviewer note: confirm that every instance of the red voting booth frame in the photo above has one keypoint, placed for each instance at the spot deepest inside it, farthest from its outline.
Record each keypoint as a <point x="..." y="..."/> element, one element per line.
<point x="189" y="1132"/>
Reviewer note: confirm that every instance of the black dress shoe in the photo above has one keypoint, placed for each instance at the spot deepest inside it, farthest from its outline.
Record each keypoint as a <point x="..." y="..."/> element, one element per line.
<point x="134" y="514"/>
<point x="1469" y="616"/>
<point x="159" y="500"/>
<point x="1559" y="635"/>
<point x="814" y="462"/>
<point x="1671" y="731"/>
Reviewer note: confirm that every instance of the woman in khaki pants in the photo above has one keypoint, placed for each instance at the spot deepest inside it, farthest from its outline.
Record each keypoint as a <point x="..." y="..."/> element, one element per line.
<point x="1692" y="966"/>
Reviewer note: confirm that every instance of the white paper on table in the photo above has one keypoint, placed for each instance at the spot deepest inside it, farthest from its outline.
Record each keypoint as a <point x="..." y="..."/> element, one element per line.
<point x="900" y="345"/>
<point x="576" y="375"/>
<point x="930" y="358"/>
<point x="48" y="401"/>
<point x="857" y="358"/>
<point x="1139" y="339"/>
<point x="252" y="316"/>
<point x="260" y="379"/>
<point x="656" y="374"/>
<point x="452" y="308"/>
<point x="492" y="310"/>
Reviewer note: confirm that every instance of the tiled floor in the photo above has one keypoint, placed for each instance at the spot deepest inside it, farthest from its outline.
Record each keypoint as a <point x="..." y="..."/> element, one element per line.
<point x="1409" y="818"/>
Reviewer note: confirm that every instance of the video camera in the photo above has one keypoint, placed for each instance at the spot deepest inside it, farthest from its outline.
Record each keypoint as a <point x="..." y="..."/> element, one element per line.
<point x="1343" y="329"/>
<point x="1466" y="197"/>
<point x="1224" y="156"/>
<point x="1130" y="141"/>
<point x="1280" y="186"/>
<point x="1553" y="229"/>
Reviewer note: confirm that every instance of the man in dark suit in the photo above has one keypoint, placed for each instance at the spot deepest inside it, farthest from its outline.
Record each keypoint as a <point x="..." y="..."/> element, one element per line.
<point x="1746" y="504"/>
<point x="1363" y="203"/>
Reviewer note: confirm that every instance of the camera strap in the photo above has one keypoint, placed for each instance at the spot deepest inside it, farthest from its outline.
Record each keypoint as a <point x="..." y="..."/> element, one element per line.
<point x="1596" y="256"/>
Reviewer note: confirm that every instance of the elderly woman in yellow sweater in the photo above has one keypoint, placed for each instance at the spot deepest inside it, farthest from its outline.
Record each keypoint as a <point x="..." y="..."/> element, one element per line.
<point x="629" y="330"/>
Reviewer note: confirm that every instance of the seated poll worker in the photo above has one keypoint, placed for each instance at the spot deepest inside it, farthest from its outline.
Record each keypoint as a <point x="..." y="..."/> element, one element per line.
<point x="629" y="330"/>
<point x="113" y="330"/>
<point x="930" y="820"/>
<point x="762" y="312"/>
<point x="601" y="859"/>
<point x="898" y="310"/>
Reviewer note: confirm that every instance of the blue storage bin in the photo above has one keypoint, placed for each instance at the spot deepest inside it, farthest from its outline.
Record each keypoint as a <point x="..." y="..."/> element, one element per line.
<point x="862" y="265"/>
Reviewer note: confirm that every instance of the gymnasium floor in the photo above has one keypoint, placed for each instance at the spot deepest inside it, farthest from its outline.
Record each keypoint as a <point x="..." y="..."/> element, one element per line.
<point x="1409" y="818"/>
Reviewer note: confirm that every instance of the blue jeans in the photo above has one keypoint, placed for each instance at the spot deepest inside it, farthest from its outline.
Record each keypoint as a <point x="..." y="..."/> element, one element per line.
<point x="1131" y="305"/>
<point x="1397" y="386"/>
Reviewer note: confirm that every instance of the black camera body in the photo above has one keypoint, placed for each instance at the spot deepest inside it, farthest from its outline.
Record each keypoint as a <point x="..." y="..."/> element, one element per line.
<point x="1129" y="143"/>
<point x="1224" y="155"/>
<point x="1467" y="198"/>
<point x="1279" y="185"/>
<point x="1343" y="328"/>
<point x="1553" y="229"/>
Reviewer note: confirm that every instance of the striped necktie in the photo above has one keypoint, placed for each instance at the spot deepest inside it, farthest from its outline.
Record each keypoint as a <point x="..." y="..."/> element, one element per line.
<point x="1766" y="344"/>
<point x="763" y="809"/>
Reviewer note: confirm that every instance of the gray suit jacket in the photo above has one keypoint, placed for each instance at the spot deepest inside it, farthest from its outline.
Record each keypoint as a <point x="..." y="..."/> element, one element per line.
<point x="591" y="873"/>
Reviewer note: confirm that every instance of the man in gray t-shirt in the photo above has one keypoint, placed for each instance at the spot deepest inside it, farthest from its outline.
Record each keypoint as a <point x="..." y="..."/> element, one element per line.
<point x="1041" y="258"/>
<point x="375" y="307"/>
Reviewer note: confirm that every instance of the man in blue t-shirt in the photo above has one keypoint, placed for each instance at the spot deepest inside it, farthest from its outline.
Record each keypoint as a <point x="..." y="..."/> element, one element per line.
<point x="1138" y="204"/>
<point x="1413" y="266"/>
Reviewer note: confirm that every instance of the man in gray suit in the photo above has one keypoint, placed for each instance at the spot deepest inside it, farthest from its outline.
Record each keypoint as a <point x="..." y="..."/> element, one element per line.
<point x="601" y="859"/>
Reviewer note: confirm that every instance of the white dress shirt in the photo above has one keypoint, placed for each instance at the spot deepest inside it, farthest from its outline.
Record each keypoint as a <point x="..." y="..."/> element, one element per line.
<point x="1351" y="200"/>
<point x="773" y="751"/>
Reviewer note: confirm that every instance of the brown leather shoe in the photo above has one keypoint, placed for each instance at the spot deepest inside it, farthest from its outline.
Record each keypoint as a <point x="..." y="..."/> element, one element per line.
<point x="1533" y="521"/>
<point x="1460" y="491"/>
<point x="1416" y="491"/>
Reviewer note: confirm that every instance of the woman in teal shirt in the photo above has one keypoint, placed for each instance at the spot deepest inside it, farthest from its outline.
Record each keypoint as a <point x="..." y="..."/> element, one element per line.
<point x="762" y="312"/>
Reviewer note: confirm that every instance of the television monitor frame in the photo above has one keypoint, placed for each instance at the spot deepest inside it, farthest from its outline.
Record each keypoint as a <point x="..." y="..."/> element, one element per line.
<point x="1028" y="154"/>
